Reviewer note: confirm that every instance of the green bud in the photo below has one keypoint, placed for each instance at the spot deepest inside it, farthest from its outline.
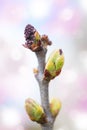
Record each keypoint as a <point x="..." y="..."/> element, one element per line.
<point x="55" y="107"/>
<point x="54" y="65"/>
<point x="34" y="111"/>
<point x="37" y="36"/>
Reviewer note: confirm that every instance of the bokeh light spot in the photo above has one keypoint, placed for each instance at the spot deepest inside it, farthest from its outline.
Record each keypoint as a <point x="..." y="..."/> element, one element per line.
<point x="66" y="14"/>
<point x="10" y="117"/>
<point x="83" y="4"/>
<point x="80" y="120"/>
<point x="16" y="54"/>
<point x="70" y="76"/>
<point x="39" y="8"/>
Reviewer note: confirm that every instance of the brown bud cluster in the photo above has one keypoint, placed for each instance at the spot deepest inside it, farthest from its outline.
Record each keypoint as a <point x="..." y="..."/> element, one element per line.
<point x="34" y="40"/>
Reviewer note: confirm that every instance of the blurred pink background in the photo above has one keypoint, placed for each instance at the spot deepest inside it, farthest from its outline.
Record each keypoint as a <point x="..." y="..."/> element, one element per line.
<point x="65" y="22"/>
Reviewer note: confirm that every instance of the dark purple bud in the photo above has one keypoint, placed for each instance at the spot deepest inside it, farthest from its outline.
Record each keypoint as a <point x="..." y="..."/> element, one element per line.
<point x="60" y="51"/>
<point x="32" y="37"/>
<point x="29" y="33"/>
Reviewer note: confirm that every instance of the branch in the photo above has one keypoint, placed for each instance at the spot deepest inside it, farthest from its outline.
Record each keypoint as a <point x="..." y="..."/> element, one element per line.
<point x="44" y="90"/>
<point x="45" y="114"/>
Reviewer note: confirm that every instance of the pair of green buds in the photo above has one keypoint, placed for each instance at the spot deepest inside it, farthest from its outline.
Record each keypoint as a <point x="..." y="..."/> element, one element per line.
<point x="36" y="112"/>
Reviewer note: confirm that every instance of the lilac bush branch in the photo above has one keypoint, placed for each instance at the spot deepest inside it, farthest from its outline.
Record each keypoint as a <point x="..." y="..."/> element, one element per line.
<point x="44" y="92"/>
<point x="45" y="113"/>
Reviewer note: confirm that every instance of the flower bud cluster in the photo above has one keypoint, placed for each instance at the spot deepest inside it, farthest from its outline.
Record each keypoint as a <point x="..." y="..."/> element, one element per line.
<point x="34" y="40"/>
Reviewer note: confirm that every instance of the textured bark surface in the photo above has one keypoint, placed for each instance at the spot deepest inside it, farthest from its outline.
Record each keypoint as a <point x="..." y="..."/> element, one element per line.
<point x="44" y="90"/>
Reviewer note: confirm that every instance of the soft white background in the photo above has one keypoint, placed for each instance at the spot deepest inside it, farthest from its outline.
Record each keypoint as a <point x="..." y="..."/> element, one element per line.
<point x="65" y="22"/>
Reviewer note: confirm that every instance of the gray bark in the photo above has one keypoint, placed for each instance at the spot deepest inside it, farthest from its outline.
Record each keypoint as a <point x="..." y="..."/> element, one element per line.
<point x="44" y="90"/>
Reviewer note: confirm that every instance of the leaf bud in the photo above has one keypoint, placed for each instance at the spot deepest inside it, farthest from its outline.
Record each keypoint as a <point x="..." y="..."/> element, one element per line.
<point x="55" y="107"/>
<point x="34" y="111"/>
<point x="54" y="65"/>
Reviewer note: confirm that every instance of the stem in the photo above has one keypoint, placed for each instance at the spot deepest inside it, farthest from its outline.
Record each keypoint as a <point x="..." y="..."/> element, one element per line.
<point x="41" y="60"/>
<point x="47" y="127"/>
<point x="44" y="92"/>
<point x="45" y="104"/>
<point x="44" y="95"/>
